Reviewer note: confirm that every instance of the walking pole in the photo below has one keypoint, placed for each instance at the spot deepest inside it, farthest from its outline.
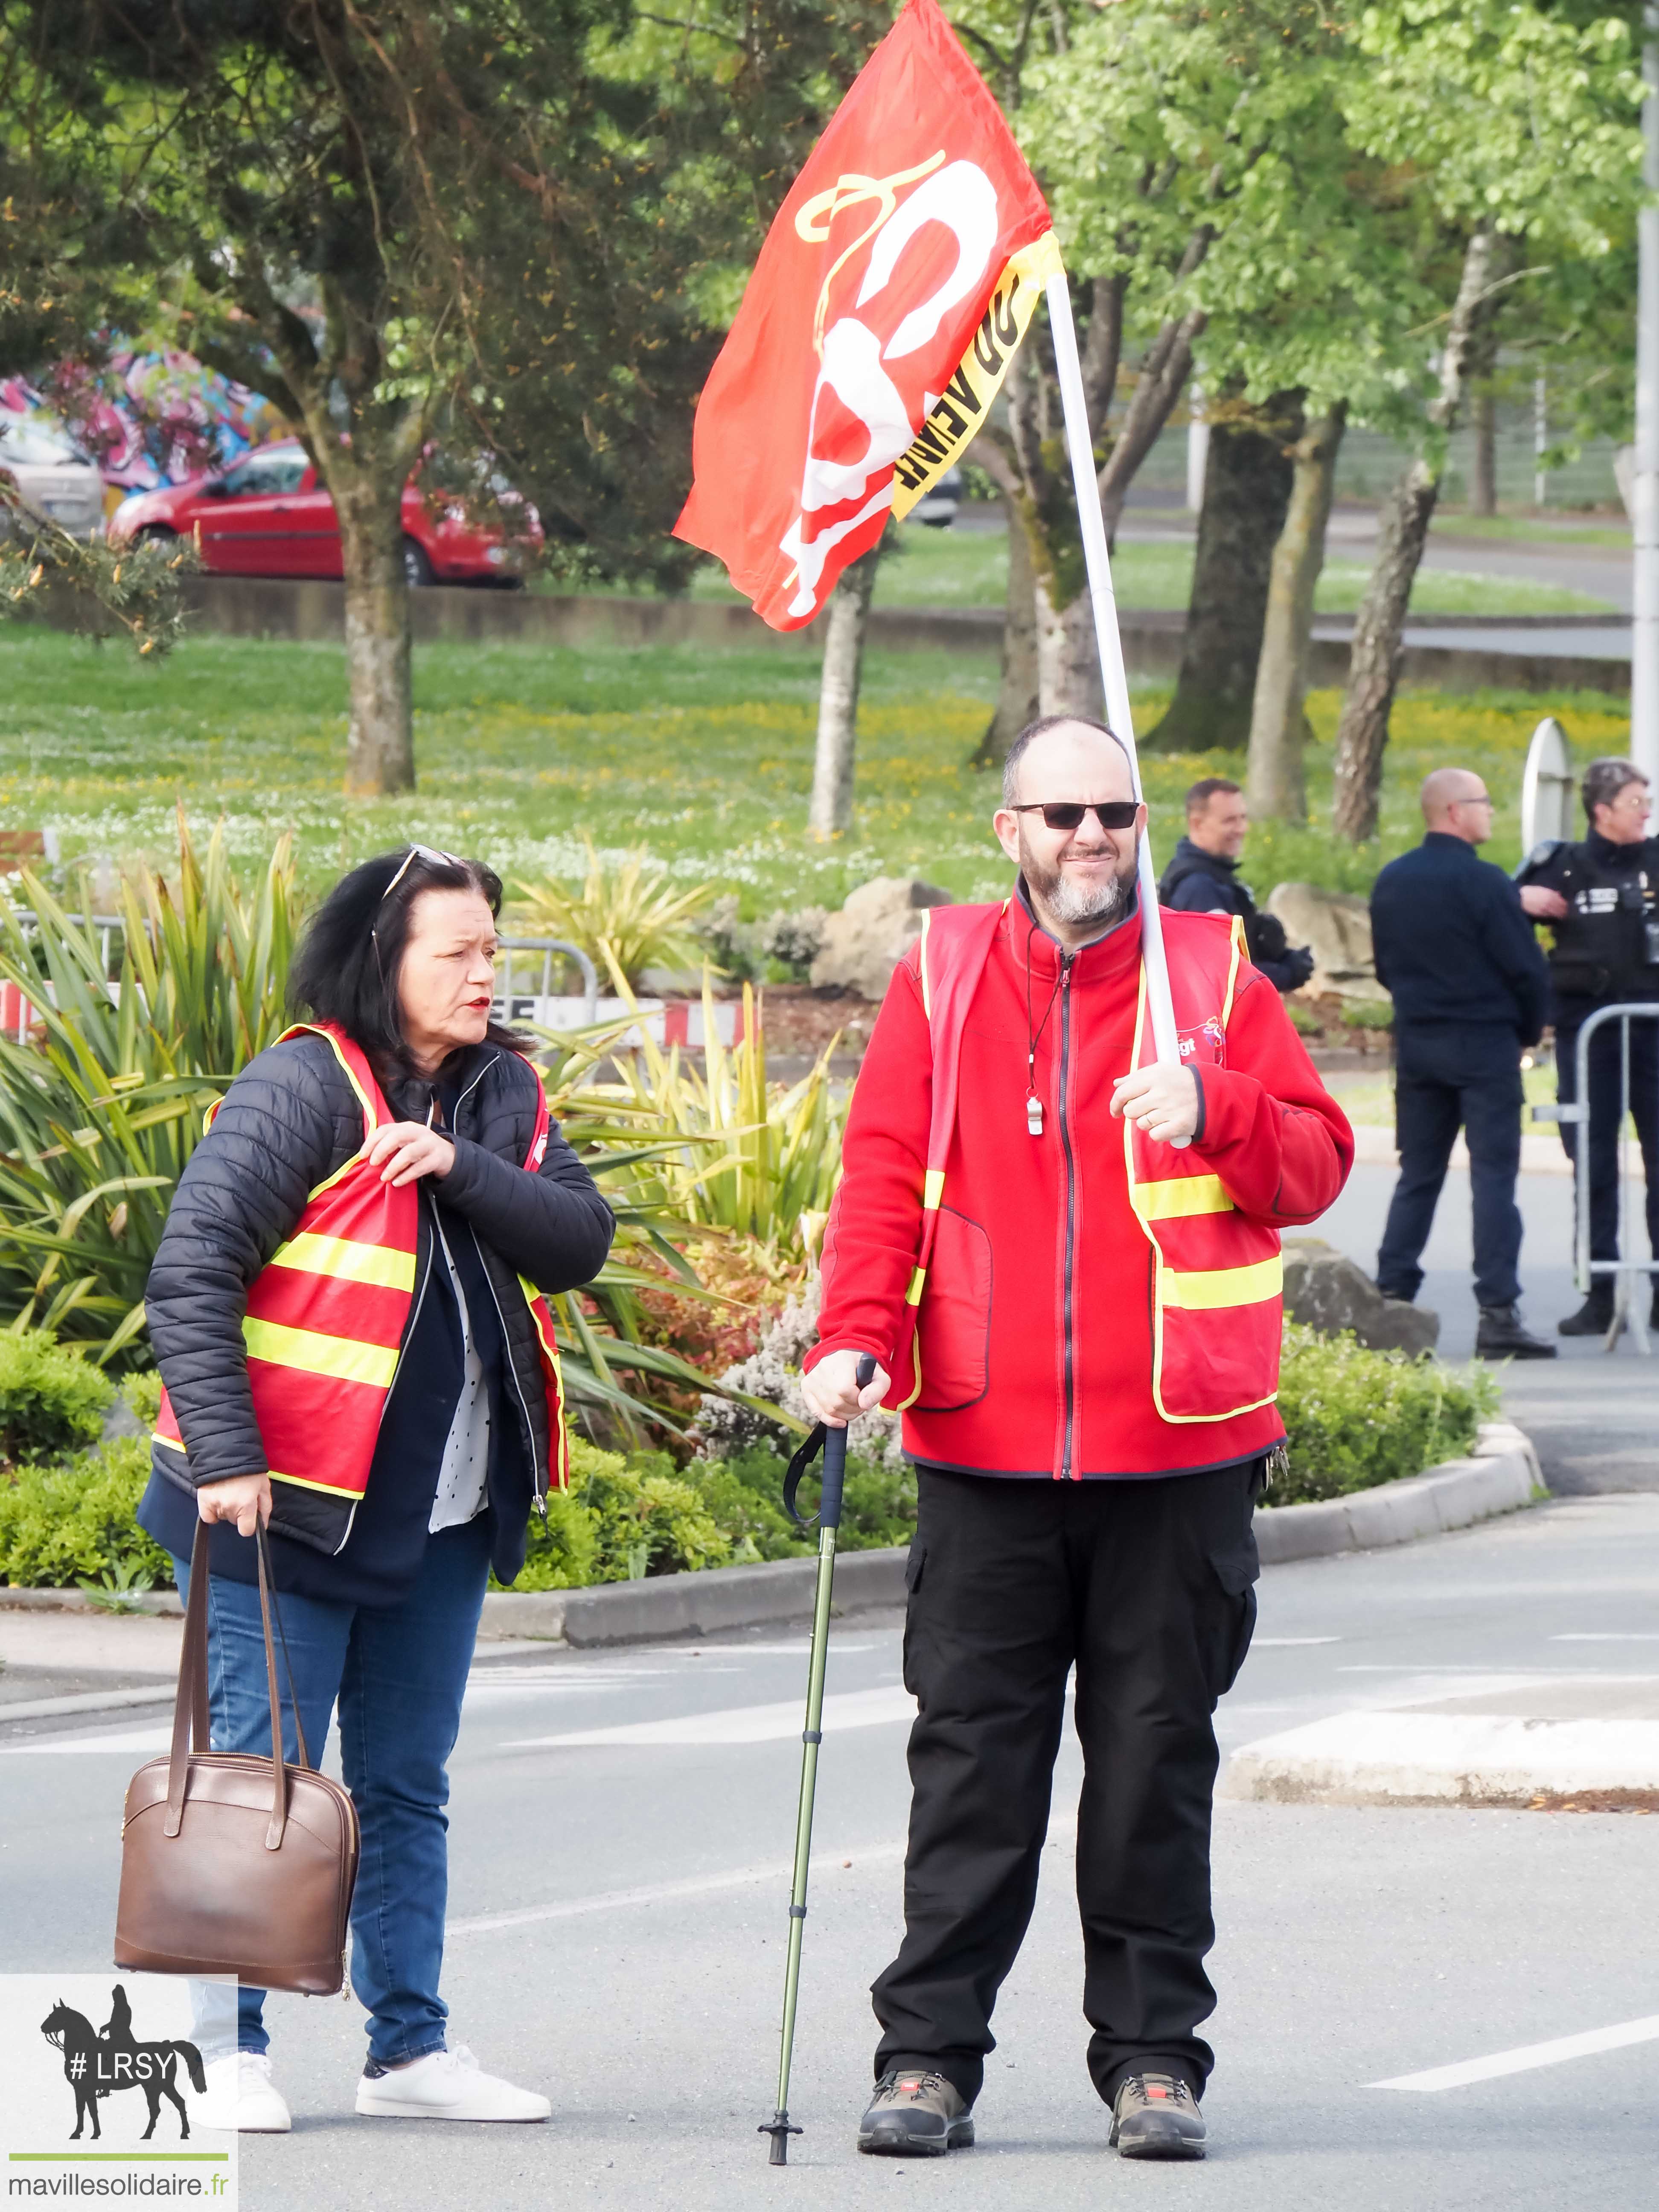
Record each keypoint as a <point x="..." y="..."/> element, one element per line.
<point x="833" y="1442"/>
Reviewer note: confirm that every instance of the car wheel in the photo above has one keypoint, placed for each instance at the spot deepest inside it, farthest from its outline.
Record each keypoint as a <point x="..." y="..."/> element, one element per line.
<point x="418" y="569"/>
<point x="156" y="533"/>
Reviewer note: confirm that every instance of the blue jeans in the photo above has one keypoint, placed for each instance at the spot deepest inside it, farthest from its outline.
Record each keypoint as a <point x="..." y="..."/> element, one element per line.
<point x="398" y="1675"/>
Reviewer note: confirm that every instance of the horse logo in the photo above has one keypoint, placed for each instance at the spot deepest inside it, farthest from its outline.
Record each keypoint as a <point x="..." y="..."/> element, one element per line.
<point x="98" y="2062"/>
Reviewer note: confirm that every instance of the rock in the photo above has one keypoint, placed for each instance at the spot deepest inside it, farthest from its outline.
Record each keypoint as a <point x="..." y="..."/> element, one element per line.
<point x="864" y="942"/>
<point x="1324" y="1290"/>
<point x="1336" y="927"/>
<point x="120" y="1421"/>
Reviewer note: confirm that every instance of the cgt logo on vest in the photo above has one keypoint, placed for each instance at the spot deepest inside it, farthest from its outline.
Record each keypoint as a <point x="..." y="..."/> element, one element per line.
<point x="1207" y="1042"/>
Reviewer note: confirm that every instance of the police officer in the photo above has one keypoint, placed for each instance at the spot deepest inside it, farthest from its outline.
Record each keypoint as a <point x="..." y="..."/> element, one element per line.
<point x="1469" y="985"/>
<point x="1601" y="899"/>
<point x="1202" y="878"/>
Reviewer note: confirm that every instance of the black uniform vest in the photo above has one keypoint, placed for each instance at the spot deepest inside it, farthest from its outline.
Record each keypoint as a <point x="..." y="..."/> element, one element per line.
<point x="1606" y="947"/>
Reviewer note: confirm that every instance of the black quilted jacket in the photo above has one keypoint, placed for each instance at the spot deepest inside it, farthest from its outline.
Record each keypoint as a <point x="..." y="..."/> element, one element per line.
<point x="288" y="1121"/>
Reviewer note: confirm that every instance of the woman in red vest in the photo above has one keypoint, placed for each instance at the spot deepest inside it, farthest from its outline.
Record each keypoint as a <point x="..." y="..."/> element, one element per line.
<point x="347" y="1309"/>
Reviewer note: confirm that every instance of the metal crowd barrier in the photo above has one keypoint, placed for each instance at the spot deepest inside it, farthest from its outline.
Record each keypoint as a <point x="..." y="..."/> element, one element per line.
<point x="548" y="947"/>
<point x="1628" y="1311"/>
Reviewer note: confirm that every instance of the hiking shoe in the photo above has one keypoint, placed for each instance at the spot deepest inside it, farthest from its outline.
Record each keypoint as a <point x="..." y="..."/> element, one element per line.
<point x="1156" y="2116"/>
<point x="1501" y="1336"/>
<point x="1593" y="1318"/>
<point x="914" y="2115"/>
<point x="445" y="2085"/>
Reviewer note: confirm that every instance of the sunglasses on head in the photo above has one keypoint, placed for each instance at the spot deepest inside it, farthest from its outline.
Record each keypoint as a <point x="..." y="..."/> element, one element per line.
<point x="421" y="853"/>
<point x="1067" y="814"/>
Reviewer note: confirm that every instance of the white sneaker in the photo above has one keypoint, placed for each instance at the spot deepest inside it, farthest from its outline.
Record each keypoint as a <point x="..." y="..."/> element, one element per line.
<point x="242" y="2098"/>
<point x="447" y="2085"/>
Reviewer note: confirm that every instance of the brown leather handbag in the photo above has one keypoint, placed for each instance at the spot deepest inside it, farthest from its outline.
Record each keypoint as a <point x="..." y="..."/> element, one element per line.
<point x="233" y="1864"/>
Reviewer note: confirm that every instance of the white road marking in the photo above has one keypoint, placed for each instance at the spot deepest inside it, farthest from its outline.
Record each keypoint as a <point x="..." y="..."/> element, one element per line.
<point x="125" y="1739"/>
<point x="1529" y="2055"/>
<point x="1286" y="1643"/>
<point x="663" y="1892"/>
<point x="1623" y="1636"/>
<point x="850" y="1709"/>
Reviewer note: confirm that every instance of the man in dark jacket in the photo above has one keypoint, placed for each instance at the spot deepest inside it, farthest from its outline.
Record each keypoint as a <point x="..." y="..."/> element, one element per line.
<point x="1602" y="901"/>
<point x="1202" y="878"/>
<point x="1453" y="946"/>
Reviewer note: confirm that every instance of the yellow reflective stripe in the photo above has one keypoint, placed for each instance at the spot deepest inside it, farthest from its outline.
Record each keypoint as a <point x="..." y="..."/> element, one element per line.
<point x="1181" y="1196"/>
<point x="172" y="1443"/>
<point x="309" y="1350"/>
<point x="1199" y="1292"/>
<point x="933" y="1189"/>
<point x="328" y="1489"/>
<point x="913" y="1296"/>
<point x="348" y="1259"/>
<point x="927" y="981"/>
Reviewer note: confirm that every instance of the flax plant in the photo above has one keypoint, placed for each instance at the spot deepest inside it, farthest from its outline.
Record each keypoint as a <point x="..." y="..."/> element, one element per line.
<point x="101" y="1100"/>
<point x="625" y="916"/>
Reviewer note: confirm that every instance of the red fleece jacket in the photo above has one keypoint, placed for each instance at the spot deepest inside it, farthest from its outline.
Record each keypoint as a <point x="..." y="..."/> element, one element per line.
<point x="1280" y="1145"/>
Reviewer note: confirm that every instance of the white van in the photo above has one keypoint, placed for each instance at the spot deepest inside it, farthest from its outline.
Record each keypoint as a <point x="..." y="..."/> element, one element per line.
<point x="52" y="474"/>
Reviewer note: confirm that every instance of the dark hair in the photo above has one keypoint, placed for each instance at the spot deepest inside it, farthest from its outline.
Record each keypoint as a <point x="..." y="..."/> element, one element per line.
<point x="1206" y="789"/>
<point x="349" y="961"/>
<point x="1604" y="780"/>
<point x="1040" y="728"/>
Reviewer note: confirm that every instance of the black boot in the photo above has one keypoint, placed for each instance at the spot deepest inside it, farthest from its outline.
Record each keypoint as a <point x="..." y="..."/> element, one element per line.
<point x="1500" y="1336"/>
<point x="1593" y="1318"/>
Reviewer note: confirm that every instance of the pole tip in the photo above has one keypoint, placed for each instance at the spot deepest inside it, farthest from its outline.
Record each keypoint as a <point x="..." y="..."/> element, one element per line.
<point x="779" y="2128"/>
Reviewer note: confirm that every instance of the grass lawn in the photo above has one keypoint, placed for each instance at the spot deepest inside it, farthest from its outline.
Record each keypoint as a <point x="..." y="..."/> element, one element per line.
<point x="963" y="567"/>
<point x="702" y="759"/>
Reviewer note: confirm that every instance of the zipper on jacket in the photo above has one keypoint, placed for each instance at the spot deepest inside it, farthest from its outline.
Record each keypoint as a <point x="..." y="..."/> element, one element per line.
<point x="537" y="1494"/>
<point x="1065" y="959"/>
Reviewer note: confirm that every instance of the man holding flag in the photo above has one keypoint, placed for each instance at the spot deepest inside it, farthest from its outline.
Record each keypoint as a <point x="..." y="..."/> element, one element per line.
<point x="1069" y="1154"/>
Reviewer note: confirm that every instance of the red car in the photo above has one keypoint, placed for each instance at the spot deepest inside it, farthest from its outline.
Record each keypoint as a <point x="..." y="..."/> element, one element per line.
<point x="270" y="516"/>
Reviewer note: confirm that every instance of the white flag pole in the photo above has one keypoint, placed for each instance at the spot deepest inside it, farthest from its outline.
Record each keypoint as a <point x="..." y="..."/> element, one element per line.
<point x="1097" y="562"/>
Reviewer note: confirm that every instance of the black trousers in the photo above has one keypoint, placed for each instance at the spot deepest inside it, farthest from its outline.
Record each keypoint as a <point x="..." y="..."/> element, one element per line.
<point x="1146" y="1587"/>
<point x="1446" y="1078"/>
<point x="1605" y="1086"/>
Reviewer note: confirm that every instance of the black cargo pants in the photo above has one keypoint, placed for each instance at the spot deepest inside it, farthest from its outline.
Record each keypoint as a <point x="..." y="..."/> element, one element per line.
<point x="1147" y="1589"/>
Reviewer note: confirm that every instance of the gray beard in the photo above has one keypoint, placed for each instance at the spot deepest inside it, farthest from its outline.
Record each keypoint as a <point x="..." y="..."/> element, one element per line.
<point x="1069" y="903"/>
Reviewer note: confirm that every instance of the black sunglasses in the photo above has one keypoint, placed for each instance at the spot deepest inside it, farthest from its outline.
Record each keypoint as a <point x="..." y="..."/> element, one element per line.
<point x="1066" y="814"/>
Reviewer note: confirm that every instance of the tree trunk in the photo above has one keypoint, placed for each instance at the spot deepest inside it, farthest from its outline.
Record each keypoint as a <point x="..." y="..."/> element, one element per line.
<point x="1247" y="489"/>
<point x="1017" y="696"/>
<point x="1278" y="722"/>
<point x="1483" y="477"/>
<point x="380" y="735"/>
<point x="1379" y="627"/>
<point x="1067" y="655"/>
<point x="830" y="814"/>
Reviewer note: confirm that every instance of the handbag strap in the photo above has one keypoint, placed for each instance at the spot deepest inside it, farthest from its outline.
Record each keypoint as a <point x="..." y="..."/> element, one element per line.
<point x="190" y="1729"/>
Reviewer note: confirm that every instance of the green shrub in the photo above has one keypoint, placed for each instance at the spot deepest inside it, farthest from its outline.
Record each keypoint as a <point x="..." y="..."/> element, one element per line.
<point x="142" y="1393"/>
<point x="1355" y="1418"/>
<point x="73" y="1523"/>
<point x="1303" y="1020"/>
<point x="620" y="1520"/>
<point x="745" y="1497"/>
<point x="51" y="1399"/>
<point x="1369" y="1014"/>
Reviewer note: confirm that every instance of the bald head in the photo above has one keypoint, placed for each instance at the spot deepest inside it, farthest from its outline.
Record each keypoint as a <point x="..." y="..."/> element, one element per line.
<point x="1455" y="805"/>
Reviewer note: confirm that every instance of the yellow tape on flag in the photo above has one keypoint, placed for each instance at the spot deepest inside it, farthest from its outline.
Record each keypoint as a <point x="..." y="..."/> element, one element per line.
<point x="948" y="428"/>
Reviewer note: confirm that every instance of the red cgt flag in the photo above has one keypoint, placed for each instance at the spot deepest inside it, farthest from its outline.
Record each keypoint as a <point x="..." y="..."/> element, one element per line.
<point x="888" y="301"/>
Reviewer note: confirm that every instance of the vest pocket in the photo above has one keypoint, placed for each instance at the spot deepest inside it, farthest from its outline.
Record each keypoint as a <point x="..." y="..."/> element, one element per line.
<point x="954" y="1325"/>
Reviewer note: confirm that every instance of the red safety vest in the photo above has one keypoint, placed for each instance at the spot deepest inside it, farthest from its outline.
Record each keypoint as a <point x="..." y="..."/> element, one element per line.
<point x="326" y="1315"/>
<point x="1217" y="1276"/>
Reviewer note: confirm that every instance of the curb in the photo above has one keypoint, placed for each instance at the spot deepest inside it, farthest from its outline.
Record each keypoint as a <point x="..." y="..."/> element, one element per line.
<point x="165" y="1602"/>
<point x="1502" y="1476"/>
<point x="86" y="1701"/>
<point x="773" y="1594"/>
<point x="1450" y="1758"/>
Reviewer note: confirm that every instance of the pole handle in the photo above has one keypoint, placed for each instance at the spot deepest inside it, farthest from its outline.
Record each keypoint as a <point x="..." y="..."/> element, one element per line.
<point x="832" y="1442"/>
